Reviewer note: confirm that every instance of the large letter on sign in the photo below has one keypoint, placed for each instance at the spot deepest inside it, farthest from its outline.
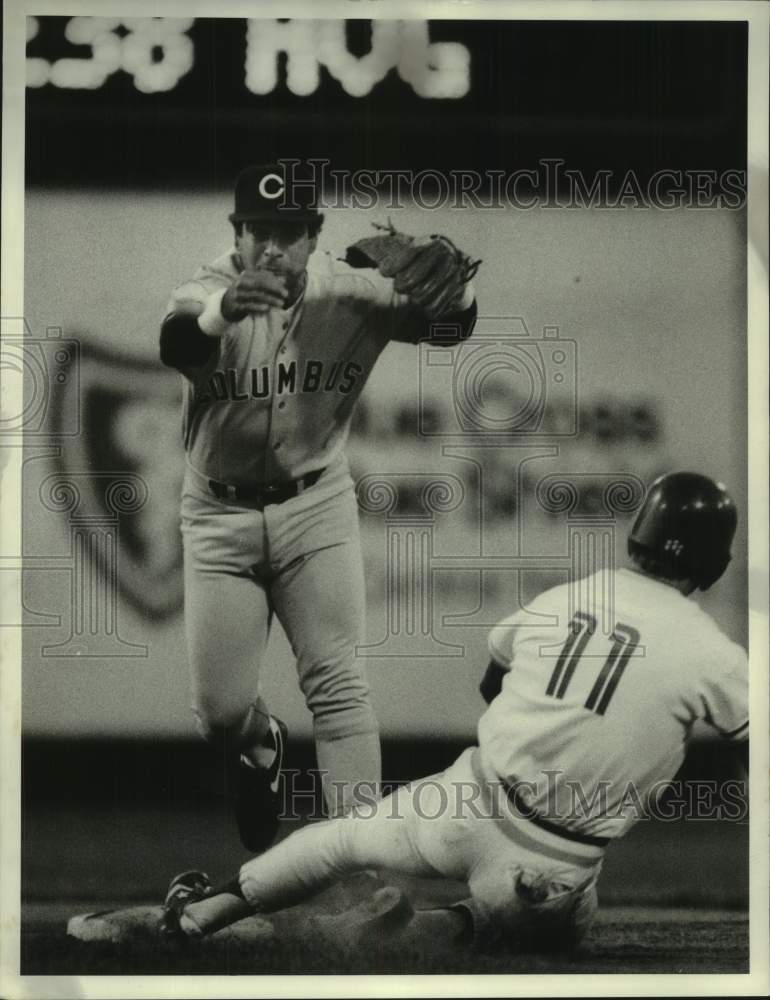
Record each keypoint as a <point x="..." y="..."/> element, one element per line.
<point x="265" y="39"/>
<point x="358" y="76"/>
<point x="434" y="69"/>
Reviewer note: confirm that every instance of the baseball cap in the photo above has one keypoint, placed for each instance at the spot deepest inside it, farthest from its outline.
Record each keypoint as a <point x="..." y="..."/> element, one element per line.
<point x="262" y="191"/>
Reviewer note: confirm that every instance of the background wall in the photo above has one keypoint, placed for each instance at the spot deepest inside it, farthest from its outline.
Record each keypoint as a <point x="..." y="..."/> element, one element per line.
<point x="653" y="300"/>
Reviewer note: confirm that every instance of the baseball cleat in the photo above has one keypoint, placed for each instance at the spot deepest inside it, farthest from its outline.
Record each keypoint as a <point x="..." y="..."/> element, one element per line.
<point x="257" y="800"/>
<point x="117" y="926"/>
<point x="188" y="887"/>
<point x="381" y="916"/>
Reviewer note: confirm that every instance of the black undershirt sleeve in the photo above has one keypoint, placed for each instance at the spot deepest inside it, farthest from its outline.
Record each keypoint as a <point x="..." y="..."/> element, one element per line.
<point x="182" y="342"/>
<point x="184" y="345"/>
<point x="492" y="682"/>
<point x="451" y="329"/>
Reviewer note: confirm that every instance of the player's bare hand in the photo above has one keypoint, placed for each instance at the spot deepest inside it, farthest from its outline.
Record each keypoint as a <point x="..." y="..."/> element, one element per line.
<point x="254" y="292"/>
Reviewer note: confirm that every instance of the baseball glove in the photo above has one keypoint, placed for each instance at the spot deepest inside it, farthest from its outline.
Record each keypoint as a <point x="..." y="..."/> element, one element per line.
<point x="430" y="269"/>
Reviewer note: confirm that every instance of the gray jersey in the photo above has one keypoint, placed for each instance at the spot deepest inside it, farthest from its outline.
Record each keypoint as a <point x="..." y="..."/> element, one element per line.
<point x="275" y="400"/>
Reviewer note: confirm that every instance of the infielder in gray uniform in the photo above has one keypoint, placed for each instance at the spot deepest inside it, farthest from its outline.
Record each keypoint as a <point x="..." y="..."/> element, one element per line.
<point x="276" y="343"/>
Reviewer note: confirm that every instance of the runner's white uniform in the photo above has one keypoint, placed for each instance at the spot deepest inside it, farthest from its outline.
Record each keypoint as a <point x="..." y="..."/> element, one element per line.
<point x="664" y="666"/>
<point x="577" y="706"/>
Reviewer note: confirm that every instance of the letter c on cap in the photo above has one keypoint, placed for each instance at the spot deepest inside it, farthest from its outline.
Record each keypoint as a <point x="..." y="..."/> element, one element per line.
<point x="276" y="193"/>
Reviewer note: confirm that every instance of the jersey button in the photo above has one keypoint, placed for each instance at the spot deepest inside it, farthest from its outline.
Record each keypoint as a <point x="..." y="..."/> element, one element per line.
<point x="283" y="350"/>
<point x="282" y="404"/>
<point x="286" y="326"/>
<point x="277" y="445"/>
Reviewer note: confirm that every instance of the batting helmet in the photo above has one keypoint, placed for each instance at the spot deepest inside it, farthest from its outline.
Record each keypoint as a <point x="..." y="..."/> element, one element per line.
<point x="686" y="525"/>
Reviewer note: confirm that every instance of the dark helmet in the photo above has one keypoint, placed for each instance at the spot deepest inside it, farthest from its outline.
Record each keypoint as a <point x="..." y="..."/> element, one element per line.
<point x="686" y="525"/>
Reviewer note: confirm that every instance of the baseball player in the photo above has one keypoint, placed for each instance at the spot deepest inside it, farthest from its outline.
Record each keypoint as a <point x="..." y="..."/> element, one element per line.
<point x="584" y="725"/>
<point x="590" y="716"/>
<point x="276" y="342"/>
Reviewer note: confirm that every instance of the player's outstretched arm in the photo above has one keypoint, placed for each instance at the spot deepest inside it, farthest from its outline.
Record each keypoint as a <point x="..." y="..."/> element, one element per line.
<point x="452" y="328"/>
<point x="415" y="328"/>
<point x="198" y="317"/>
<point x="430" y="275"/>
<point x="193" y="327"/>
<point x="253" y="292"/>
<point x="183" y="345"/>
<point x="431" y="271"/>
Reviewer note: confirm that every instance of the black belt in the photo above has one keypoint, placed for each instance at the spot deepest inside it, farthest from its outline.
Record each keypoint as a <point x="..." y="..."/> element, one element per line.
<point x="263" y="496"/>
<point x="526" y="812"/>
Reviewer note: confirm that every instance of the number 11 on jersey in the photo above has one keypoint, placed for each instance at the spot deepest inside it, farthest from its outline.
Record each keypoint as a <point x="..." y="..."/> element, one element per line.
<point x="624" y="640"/>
